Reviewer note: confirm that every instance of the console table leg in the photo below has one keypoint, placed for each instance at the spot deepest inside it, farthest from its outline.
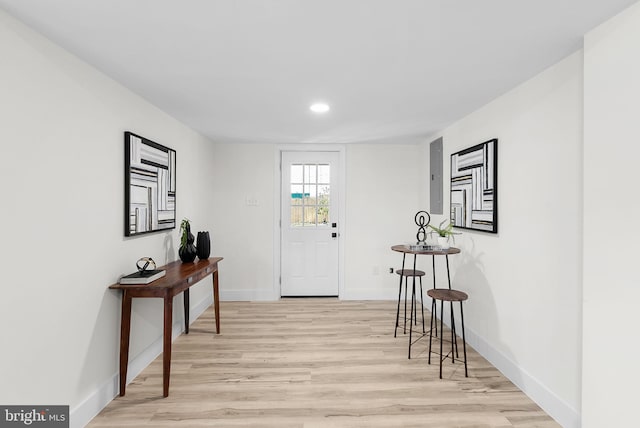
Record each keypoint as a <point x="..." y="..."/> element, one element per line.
<point x="166" y="344"/>
<point x="125" y="330"/>
<point x="216" y="301"/>
<point x="185" y="296"/>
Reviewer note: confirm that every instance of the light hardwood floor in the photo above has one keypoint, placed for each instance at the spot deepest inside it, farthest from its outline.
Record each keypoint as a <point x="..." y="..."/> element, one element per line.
<point x="315" y="363"/>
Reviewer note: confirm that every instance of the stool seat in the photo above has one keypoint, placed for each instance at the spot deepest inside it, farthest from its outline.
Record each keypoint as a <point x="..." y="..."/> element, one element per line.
<point x="447" y="295"/>
<point x="410" y="272"/>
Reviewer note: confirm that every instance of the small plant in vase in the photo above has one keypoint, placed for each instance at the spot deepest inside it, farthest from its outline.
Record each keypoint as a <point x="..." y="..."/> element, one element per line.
<point x="187" y="250"/>
<point x="444" y="233"/>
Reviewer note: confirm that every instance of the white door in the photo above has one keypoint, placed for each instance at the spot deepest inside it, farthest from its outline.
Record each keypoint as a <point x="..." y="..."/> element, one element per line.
<point x="310" y="229"/>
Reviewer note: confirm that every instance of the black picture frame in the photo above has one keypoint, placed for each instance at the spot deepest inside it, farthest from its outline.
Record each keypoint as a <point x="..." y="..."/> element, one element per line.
<point x="149" y="186"/>
<point x="474" y="187"/>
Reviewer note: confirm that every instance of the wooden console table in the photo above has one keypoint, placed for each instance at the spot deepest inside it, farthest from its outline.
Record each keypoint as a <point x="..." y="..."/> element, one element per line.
<point x="179" y="277"/>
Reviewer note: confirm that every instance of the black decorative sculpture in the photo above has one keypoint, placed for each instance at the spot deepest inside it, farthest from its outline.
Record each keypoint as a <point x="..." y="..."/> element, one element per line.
<point x="203" y="245"/>
<point x="422" y="223"/>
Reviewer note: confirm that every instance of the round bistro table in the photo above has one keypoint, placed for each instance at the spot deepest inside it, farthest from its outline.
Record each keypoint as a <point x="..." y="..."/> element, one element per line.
<point x="405" y="249"/>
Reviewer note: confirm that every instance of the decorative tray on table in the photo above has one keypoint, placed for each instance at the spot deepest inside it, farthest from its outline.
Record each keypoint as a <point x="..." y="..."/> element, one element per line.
<point x="423" y="247"/>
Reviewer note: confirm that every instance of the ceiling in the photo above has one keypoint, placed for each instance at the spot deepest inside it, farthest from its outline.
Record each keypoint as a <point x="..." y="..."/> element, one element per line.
<point x="247" y="70"/>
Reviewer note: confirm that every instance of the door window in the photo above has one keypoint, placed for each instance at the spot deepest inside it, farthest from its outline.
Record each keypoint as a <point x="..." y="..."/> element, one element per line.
<point x="310" y="192"/>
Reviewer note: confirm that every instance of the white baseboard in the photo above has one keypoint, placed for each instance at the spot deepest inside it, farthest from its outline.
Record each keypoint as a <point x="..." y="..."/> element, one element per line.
<point x="82" y="414"/>
<point x="564" y="414"/>
<point x="257" y="295"/>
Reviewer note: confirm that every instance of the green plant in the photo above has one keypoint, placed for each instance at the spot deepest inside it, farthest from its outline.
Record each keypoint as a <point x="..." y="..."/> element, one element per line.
<point x="444" y="231"/>
<point x="185" y="229"/>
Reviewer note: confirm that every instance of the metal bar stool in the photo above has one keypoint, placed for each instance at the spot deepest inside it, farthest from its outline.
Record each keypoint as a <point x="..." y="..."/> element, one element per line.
<point x="446" y="295"/>
<point x="406" y="274"/>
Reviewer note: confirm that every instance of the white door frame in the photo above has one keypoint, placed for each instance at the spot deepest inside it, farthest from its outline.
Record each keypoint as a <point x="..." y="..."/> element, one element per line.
<point x="277" y="215"/>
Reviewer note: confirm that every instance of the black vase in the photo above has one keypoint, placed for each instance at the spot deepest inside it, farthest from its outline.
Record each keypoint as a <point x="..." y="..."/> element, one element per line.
<point x="203" y="245"/>
<point x="187" y="252"/>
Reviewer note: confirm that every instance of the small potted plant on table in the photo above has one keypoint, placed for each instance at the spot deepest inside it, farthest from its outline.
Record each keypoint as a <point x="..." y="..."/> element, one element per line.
<point x="444" y="233"/>
<point x="187" y="250"/>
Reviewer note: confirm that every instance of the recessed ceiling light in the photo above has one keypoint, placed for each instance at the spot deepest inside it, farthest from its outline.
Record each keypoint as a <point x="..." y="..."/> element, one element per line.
<point x="319" y="108"/>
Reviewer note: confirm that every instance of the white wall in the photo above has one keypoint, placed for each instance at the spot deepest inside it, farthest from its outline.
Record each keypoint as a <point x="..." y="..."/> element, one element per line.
<point x="243" y="232"/>
<point x="62" y="175"/>
<point x="385" y="188"/>
<point x="611" y="204"/>
<point x="524" y="284"/>
<point x="384" y="185"/>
